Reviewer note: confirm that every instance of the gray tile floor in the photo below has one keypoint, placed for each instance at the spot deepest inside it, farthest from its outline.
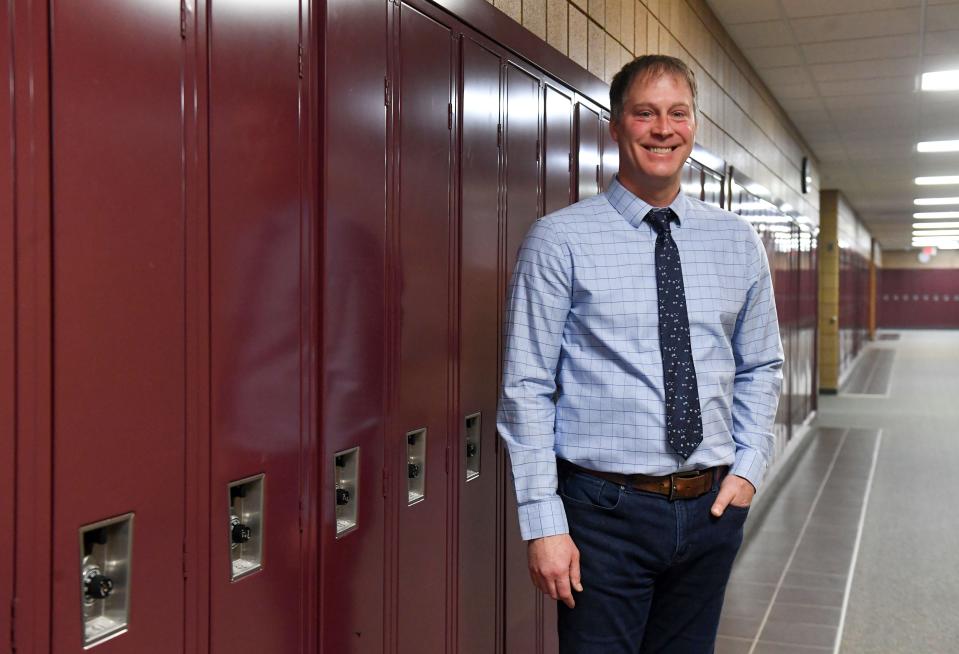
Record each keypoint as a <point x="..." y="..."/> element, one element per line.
<point x="859" y="550"/>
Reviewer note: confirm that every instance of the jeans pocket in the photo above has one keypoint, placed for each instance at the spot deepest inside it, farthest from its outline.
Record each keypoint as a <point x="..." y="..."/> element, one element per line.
<point x="588" y="491"/>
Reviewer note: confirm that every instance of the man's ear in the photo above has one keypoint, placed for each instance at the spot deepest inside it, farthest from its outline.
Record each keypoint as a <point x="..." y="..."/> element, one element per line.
<point x="613" y="133"/>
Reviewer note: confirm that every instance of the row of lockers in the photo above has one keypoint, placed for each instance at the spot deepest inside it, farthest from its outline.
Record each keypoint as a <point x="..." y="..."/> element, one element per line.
<point x="257" y="330"/>
<point x="918" y="298"/>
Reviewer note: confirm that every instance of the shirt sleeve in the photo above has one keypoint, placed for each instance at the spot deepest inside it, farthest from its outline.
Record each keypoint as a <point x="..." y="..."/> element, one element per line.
<point x="537" y="306"/>
<point x="758" y="355"/>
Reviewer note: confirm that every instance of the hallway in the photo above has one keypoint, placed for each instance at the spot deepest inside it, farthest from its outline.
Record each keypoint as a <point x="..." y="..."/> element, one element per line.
<point x="855" y="553"/>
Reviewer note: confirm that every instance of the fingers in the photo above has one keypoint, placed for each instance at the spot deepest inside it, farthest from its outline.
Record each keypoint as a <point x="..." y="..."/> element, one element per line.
<point x="574" y="575"/>
<point x="725" y="496"/>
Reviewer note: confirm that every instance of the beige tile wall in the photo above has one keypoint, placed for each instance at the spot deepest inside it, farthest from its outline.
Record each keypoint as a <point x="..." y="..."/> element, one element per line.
<point x="739" y="119"/>
<point x="908" y="259"/>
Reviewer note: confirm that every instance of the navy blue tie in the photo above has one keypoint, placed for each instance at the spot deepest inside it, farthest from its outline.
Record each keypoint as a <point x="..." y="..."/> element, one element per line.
<point x="684" y="421"/>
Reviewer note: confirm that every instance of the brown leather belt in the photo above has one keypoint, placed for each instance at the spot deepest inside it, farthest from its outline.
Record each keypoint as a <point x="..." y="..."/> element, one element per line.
<point x="677" y="486"/>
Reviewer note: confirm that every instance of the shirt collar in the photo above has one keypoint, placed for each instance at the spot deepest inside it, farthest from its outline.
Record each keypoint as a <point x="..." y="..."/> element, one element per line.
<point x="634" y="209"/>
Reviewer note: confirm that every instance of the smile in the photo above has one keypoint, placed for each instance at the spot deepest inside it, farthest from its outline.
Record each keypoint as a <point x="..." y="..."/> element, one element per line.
<point x="659" y="150"/>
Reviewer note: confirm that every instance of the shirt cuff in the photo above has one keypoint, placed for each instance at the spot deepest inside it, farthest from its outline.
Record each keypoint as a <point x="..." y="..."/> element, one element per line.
<point x="750" y="465"/>
<point x="544" y="518"/>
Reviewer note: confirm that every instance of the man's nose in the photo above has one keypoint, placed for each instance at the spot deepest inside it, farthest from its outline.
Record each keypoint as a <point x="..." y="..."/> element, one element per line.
<point x="662" y="125"/>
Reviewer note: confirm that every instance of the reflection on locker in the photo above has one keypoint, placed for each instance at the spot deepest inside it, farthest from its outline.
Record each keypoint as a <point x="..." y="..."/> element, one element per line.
<point x="106" y="565"/>
<point x="247" y="525"/>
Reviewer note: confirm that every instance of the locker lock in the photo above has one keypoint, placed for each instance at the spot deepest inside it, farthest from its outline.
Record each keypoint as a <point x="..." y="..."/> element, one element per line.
<point x="413" y="470"/>
<point x="96" y="585"/>
<point x="342" y="496"/>
<point x="470" y="449"/>
<point x="239" y="532"/>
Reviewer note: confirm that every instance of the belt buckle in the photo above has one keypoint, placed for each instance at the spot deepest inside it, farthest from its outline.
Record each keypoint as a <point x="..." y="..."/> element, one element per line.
<point x="690" y="474"/>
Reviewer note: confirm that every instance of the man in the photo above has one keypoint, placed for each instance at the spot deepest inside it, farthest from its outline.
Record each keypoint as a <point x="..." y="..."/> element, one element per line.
<point x="641" y="380"/>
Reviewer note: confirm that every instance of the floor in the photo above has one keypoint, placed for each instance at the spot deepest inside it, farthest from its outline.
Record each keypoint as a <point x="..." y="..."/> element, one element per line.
<point x="858" y="552"/>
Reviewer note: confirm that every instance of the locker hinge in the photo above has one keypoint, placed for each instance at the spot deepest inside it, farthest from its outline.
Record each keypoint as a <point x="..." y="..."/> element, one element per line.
<point x="449" y="116"/>
<point x="386" y="481"/>
<point x="299" y="60"/>
<point x="599" y="179"/>
<point x="537" y="150"/>
<point x="183" y="562"/>
<point x="386" y="91"/>
<point x="300" y="516"/>
<point x="182" y="19"/>
<point x="447" y="460"/>
<point x="499" y="135"/>
<point x="13" y="622"/>
<point x="569" y="169"/>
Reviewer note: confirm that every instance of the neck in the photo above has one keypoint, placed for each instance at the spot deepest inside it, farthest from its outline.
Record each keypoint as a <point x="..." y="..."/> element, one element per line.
<point x="652" y="194"/>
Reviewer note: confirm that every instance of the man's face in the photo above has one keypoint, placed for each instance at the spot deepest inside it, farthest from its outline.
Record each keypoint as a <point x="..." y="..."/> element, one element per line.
<point x="655" y="133"/>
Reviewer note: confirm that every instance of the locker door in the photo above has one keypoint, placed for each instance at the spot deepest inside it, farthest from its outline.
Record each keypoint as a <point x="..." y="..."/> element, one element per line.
<point x="355" y="327"/>
<point x="558" y="138"/>
<point x="7" y="342"/>
<point x="587" y="152"/>
<point x="479" y="359"/>
<point x="423" y="302"/>
<point x="522" y="601"/>
<point x="118" y="330"/>
<point x="255" y="338"/>
<point x="610" y="159"/>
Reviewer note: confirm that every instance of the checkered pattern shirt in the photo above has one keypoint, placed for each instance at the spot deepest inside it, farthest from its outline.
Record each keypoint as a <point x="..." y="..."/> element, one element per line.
<point x="583" y="376"/>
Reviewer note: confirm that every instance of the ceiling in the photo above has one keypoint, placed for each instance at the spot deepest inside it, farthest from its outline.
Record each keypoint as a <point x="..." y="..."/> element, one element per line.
<point x="847" y="73"/>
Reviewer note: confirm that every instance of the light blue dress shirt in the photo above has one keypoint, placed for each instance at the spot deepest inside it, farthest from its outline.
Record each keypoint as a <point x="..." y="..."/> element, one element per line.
<point x="583" y="376"/>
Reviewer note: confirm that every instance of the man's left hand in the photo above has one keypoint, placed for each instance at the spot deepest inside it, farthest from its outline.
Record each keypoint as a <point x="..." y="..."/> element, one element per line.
<point x="734" y="490"/>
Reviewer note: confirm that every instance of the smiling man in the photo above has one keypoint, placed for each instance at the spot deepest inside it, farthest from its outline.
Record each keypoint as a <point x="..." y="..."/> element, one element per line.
<point x="641" y="379"/>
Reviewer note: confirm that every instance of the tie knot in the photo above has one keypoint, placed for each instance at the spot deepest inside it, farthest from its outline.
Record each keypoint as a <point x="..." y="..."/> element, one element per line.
<point x="659" y="219"/>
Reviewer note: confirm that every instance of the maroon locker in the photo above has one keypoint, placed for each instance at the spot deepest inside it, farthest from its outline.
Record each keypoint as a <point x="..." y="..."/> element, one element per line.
<point x="354" y="325"/>
<point x="479" y="321"/>
<point x="422" y="303"/>
<point x="610" y="158"/>
<point x="522" y="603"/>
<point x="7" y="316"/>
<point x="118" y="330"/>
<point x="256" y="222"/>
<point x="557" y="170"/>
<point x="587" y="152"/>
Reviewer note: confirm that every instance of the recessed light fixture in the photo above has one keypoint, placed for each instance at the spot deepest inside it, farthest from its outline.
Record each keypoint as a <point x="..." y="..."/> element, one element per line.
<point x="938" y="146"/>
<point x="931" y="215"/>
<point x="936" y="232"/>
<point x="934" y="201"/>
<point x="945" y="225"/>
<point x="935" y="181"/>
<point x="941" y="243"/>
<point x="943" y="80"/>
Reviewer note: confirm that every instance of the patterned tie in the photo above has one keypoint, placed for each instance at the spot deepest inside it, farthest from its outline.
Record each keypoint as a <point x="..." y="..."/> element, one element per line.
<point x="684" y="422"/>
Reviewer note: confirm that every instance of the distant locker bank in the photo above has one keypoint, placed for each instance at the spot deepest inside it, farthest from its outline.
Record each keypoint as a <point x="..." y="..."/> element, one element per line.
<point x="252" y="278"/>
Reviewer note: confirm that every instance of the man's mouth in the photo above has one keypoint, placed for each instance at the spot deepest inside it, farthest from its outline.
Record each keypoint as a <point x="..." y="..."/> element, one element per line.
<point x="659" y="150"/>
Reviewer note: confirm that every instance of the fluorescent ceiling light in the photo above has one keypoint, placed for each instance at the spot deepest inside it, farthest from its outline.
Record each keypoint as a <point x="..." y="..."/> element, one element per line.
<point x="937" y="146"/>
<point x="946" y="225"/>
<point x="942" y="243"/>
<point x="936" y="214"/>
<point x="943" y="80"/>
<point x="934" y="181"/>
<point x="935" y="232"/>
<point x="934" y="201"/>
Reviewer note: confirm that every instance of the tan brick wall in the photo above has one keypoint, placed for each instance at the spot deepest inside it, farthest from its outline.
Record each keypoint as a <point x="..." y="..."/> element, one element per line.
<point x="739" y="119"/>
<point x="908" y="259"/>
<point x="829" y="290"/>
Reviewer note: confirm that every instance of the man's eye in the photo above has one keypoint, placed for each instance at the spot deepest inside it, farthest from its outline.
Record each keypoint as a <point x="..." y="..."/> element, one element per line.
<point x="679" y="114"/>
<point x="644" y="114"/>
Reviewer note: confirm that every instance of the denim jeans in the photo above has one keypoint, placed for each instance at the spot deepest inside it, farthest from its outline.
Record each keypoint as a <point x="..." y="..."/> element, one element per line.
<point x="654" y="571"/>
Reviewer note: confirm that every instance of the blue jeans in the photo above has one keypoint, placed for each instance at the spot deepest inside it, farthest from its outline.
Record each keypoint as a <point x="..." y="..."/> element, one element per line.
<point x="654" y="571"/>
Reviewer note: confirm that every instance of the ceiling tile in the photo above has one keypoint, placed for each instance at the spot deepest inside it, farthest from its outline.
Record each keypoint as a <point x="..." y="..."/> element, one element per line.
<point x="786" y="91"/>
<point x="803" y="104"/>
<point x="868" y="86"/>
<point x="857" y="26"/>
<point x="865" y="69"/>
<point x="942" y="17"/>
<point x="762" y="58"/>
<point x="803" y="8"/>
<point x="846" y="102"/>
<point x="862" y="49"/>
<point x="744" y="11"/>
<point x="757" y="35"/>
<point x="942" y="43"/>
